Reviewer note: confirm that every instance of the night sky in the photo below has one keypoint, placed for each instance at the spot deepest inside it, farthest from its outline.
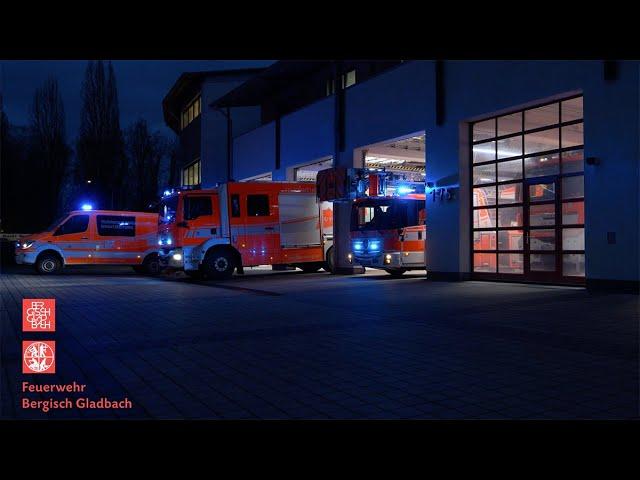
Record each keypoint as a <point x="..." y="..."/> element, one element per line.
<point x="142" y="84"/>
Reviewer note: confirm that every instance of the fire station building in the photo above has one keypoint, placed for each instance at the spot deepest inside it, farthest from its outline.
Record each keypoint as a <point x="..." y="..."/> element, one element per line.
<point x="531" y="167"/>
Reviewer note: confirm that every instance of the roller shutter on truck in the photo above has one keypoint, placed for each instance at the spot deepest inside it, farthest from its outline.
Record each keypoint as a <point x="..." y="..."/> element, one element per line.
<point x="299" y="220"/>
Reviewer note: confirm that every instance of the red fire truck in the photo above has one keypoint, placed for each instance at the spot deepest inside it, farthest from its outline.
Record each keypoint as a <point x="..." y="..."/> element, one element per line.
<point x="241" y="224"/>
<point x="388" y="221"/>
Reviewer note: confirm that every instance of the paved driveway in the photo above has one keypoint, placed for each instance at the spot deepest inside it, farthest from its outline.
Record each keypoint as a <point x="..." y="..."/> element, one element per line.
<point x="294" y="345"/>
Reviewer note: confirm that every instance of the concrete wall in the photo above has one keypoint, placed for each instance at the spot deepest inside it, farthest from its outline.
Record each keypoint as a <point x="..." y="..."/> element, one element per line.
<point x="402" y="101"/>
<point x="213" y="141"/>
<point x="254" y="152"/>
<point x="306" y="135"/>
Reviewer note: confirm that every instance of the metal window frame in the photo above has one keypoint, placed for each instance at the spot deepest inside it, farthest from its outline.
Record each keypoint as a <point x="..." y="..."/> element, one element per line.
<point x="558" y="201"/>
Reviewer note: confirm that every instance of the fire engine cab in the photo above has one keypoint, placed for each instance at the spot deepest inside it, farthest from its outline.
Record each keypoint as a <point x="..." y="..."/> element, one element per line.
<point x="387" y="217"/>
<point x="242" y="224"/>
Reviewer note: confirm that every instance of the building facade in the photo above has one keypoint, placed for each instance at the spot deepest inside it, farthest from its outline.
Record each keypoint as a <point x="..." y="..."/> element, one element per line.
<point x="532" y="167"/>
<point x="203" y="132"/>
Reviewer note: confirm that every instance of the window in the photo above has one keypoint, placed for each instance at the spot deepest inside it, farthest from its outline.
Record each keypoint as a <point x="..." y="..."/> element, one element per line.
<point x="258" y="205"/>
<point x="347" y="79"/>
<point x="331" y="87"/>
<point x="235" y="205"/>
<point x="191" y="112"/>
<point x="195" y="207"/>
<point x="528" y="183"/>
<point x="116" y="226"/>
<point x="75" y="224"/>
<point x="191" y="174"/>
<point x="385" y="214"/>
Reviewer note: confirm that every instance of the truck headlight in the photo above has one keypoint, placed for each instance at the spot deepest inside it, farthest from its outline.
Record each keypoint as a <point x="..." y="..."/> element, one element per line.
<point x="387" y="259"/>
<point x="26" y="245"/>
<point x="374" y="245"/>
<point x="350" y="258"/>
<point x="177" y="257"/>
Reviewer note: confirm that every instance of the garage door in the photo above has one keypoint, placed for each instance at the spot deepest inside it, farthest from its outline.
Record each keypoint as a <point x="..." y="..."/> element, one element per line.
<point x="528" y="194"/>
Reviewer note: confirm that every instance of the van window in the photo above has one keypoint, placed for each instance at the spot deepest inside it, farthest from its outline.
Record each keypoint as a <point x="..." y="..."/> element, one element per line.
<point x="195" y="207"/>
<point x="258" y="205"/>
<point x="116" y="226"/>
<point x="235" y="205"/>
<point x="75" y="224"/>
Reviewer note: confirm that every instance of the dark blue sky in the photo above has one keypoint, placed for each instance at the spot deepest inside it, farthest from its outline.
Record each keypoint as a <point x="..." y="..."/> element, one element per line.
<point x="142" y="84"/>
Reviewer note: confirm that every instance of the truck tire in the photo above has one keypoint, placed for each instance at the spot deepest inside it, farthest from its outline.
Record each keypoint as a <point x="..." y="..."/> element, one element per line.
<point x="330" y="263"/>
<point x="151" y="265"/>
<point x="218" y="264"/>
<point x="396" y="272"/>
<point x="48" y="264"/>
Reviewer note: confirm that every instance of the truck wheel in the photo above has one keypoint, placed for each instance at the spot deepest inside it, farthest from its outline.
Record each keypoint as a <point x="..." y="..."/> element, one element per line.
<point x="48" y="264"/>
<point x="151" y="265"/>
<point x="311" y="267"/>
<point x="396" y="272"/>
<point x="218" y="264"/>
<point x="330" y="264"/>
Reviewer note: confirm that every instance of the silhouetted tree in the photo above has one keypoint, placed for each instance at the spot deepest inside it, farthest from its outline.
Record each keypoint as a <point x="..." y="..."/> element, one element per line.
<point x="15" y="198"/>
<point x="145" y="152"/>
<point x="48" y="150"/>
<point x="100" y="145"/>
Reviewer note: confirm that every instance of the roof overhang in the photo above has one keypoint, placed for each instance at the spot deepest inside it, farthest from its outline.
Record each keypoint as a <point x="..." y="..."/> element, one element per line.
<point x="188" y="85"/>
<point x="272" y="79"/>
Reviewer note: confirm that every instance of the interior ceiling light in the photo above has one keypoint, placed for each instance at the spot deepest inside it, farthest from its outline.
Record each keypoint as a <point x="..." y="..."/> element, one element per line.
<point x="384" y="160"/>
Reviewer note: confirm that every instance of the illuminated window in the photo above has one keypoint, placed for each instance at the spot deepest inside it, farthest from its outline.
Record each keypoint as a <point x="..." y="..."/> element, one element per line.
<point x="347" y="79"/>
<point x="528" y="188"/>
<point x="191" y="112"/>
<point x="191" y="174"/>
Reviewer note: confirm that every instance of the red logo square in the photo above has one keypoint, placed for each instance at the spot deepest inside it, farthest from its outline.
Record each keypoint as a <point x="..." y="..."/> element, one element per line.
<point x="38" y="314"/>
<point x="38" y="356"/>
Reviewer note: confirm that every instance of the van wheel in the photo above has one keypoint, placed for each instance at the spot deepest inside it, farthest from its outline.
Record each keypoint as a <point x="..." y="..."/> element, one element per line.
<point x="218" y="264"/>
<point x="330" y="264"/>
<point x="151" y="265"/>
<point x="396" y="272"/>
<point x="48" y="264"/>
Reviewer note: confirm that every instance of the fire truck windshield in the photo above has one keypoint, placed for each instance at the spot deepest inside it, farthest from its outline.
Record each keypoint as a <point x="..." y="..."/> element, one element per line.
<point x="167" y="209"/>
<point x="384" y="214"/>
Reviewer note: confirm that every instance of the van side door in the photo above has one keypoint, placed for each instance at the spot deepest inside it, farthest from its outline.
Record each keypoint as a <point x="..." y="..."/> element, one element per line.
<point x="116" y="241"/>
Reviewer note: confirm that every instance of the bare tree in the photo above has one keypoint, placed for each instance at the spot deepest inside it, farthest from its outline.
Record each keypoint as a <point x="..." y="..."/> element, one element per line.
<point x="100" y="143"/>
<point x="49" y="150"/>
<point x="145" y="152"/>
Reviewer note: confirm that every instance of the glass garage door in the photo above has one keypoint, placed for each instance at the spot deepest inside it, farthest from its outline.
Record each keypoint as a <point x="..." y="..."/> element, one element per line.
<point x="528" y="195"/>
